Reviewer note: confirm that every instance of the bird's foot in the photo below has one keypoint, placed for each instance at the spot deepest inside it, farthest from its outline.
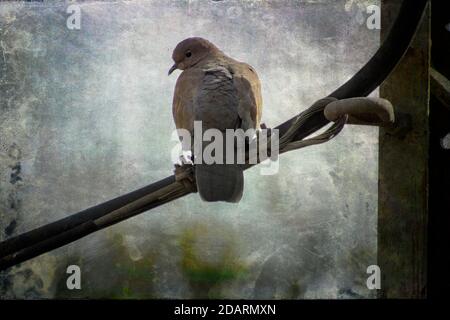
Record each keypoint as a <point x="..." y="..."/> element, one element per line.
<point x="185" y="159"/>
<point x="184" y="173"/>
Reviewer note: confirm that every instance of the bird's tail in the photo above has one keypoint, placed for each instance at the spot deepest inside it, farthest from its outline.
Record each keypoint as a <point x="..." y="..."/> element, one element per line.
<point x="220" y="182"/>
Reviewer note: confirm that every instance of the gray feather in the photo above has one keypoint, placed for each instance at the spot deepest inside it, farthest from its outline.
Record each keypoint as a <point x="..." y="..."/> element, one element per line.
<point x="216" y="105"/>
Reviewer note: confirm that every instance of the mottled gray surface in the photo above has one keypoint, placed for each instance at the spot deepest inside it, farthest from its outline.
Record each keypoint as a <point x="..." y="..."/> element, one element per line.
<point x="85" y="115"/>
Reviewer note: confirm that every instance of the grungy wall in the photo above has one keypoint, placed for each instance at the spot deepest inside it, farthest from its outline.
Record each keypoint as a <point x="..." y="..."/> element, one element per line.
<point x="85" y="116"/>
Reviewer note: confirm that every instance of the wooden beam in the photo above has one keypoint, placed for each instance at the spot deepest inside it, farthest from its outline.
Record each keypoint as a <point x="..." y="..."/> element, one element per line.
<point x="403" y="173"/>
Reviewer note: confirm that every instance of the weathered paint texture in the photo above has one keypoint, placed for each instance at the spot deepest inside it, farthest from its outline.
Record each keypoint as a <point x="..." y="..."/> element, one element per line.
<point x="85" y="115"/>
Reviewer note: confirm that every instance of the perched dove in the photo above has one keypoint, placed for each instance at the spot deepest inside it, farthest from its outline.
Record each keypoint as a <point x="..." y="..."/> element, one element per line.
<point x="222" y="93"/>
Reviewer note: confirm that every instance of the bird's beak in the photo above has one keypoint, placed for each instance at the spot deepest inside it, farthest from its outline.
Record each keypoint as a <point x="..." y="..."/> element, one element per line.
<point x="172" y="69"/>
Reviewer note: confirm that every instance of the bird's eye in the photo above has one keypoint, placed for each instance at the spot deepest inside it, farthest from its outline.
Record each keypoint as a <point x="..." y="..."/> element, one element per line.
<point x="188" y="54"/>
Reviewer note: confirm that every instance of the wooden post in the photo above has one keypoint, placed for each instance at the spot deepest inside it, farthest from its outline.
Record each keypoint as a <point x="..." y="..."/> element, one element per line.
<point x="403" y="169"/>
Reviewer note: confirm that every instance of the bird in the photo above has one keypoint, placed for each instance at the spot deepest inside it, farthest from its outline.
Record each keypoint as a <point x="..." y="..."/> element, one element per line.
<point x="222" y="93"/>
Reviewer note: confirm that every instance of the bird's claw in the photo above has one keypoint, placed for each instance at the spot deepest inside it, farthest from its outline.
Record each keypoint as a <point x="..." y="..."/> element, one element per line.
<point x="184" y="167"/>
<point x="184" y="173"/>
<point x="185" y="159"/>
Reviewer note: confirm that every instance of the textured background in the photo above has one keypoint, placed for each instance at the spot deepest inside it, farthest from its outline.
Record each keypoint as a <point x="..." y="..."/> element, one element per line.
<point x="85" y="115"/>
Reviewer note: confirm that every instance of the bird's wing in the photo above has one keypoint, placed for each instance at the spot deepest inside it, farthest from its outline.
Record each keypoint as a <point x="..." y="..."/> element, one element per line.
<point x="216" y="104"/>
<point x="183" y="99"/>
<point x="216" y="101"/>
<point x="233" y="89"/>
<point x="248" y="87"/>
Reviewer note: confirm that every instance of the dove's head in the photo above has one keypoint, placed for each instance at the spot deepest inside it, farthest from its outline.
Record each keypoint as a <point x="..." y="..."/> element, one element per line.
<point x="191" y="51"/>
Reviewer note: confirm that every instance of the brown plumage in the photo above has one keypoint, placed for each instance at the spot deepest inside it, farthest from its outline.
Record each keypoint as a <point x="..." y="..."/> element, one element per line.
<point x="224" y="94"/>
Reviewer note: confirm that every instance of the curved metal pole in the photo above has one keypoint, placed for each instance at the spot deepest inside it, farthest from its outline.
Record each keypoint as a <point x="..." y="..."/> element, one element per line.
<point x="378" y="68"/>
<point x="38" y="241"/>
